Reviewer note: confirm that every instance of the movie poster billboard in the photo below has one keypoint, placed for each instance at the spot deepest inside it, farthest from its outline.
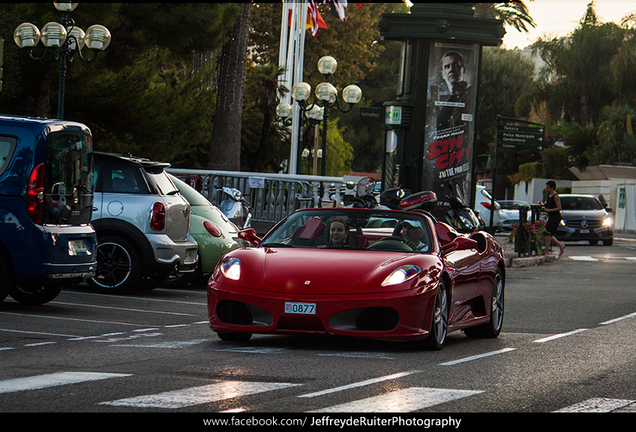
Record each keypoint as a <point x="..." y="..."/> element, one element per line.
<point x="450" y="118"/>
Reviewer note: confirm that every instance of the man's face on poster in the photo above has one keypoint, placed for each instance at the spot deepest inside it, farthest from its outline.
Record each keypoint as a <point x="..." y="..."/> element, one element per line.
<point x="452" y="69"/>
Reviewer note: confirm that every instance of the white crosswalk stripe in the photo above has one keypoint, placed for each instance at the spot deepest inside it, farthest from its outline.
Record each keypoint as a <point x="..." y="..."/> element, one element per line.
<point x="199" y="395"/>
<point x="52" y="380"/>
<point x="601" y="405"/>
<point x="404" y="400"/>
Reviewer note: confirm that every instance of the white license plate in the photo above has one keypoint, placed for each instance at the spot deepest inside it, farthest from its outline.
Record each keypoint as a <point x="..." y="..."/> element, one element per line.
<point x="585" y="231"/>
<point x="300" y="308"/>
<point x="77" y="247"/>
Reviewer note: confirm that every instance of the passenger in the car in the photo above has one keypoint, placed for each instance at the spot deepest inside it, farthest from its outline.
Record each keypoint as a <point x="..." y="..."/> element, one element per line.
<point x="338" y="234"/>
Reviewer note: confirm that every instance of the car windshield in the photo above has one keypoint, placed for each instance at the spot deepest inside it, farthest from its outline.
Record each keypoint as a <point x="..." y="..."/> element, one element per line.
<point x="359" y="229"/>
<point x="580" y="203"/>
<point x="191" y="194"/>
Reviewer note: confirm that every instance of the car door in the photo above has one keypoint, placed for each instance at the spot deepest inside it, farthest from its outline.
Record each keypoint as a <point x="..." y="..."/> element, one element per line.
<point x="466" y="268"/>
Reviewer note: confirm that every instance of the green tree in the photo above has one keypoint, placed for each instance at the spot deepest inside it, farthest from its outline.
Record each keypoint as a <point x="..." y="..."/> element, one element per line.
<point x="577" y="82"/>
<point x="263" y="147"/>
<point x="141" y="94"/>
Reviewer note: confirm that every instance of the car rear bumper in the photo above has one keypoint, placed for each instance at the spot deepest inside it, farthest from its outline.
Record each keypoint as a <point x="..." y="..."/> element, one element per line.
<point x="170" y="255"/>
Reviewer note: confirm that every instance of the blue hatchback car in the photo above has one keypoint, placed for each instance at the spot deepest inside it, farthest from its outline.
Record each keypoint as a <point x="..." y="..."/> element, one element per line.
<point x="46" y="200"/>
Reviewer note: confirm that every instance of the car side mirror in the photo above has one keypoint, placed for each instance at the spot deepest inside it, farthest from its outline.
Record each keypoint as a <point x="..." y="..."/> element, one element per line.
<point x="249" y="235"/>
<point x="460" y="243"/>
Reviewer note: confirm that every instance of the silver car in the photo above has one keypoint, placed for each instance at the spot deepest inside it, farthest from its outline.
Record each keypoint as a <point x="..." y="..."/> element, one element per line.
<point x="142" y="224"/>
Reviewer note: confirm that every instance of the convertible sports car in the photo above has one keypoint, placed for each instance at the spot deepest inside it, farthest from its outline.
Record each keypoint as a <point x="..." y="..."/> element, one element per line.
<point x="371" y="273"/>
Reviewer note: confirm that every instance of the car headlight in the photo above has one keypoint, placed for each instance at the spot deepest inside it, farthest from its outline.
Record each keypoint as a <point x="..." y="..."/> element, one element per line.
<point x="401" y="274"/>
<point x="607" y="222"/>
<point x="231" y="268"/>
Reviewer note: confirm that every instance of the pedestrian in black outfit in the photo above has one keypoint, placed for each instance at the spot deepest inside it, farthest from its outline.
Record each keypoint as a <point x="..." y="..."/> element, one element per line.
<point x="553" y="208"/>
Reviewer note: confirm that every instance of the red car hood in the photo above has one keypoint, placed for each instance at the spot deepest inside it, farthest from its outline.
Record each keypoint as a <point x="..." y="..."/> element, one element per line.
<point x="312" y="271"/>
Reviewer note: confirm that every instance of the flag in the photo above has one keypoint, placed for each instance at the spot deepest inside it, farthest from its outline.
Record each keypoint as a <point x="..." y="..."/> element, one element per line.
<point x="337" y="8"/>
<point x="313" y="16"/>
<point x="314" y="20"/>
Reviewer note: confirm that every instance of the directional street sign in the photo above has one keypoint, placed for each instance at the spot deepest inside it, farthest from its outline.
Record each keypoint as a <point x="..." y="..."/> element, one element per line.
<point x="521" y="135"/>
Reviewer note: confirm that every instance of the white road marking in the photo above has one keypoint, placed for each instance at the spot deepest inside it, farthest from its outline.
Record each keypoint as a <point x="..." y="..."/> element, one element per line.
<point x="359" y="355"/>
<point x="199" y="395"/>
<point x="404" y="400"/>
<point x="52" y="380"/>
<point x="476" y="357"/>
<point x="557" y="336"/>
<point x="582" y="258"/>
<point x="39" y="344"/>
<point x="360" y="384"/>
<point x="612" y="321"/>
<point x="168" y="345"/>
<point x="598" y="405"/>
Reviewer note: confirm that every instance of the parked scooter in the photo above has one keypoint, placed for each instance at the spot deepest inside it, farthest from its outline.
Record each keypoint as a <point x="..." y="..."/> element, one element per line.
<point x="235" y="207"/>
<point x="364" y="196"/>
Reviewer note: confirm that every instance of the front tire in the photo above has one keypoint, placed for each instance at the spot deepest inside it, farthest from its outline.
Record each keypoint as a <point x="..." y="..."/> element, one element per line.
<point x="492" y="328"/>
<point x="439" y="324"/>
<point x="118" y="266"/>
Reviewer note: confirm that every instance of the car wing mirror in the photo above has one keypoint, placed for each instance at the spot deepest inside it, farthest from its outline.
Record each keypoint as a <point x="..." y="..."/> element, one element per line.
<point x="460" y="243"/>
<point x="249" y="234"/>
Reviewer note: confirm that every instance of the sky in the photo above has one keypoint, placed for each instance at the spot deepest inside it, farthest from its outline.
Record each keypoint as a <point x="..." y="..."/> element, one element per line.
<point x="560" y="17"/>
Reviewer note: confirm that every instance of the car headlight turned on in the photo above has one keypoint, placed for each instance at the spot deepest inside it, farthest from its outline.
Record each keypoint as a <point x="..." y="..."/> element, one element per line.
<point x="401" y="274"/>
<point x="607" y="222"/>
<point x="231" y="268"/>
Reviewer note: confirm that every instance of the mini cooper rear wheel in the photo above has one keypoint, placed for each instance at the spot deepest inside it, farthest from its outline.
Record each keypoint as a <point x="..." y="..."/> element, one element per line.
<point x="493" y="327"/>
<point x="439" y="325"/>
<point x="118" y="266"/>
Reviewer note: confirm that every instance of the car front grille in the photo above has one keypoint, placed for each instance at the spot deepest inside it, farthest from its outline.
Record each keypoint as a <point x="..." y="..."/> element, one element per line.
<point x="583" y="223"/>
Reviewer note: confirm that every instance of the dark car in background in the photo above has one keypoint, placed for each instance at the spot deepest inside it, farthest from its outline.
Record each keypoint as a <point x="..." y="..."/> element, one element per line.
<point x="46" y="196"/>
<point x="585" y="218"/>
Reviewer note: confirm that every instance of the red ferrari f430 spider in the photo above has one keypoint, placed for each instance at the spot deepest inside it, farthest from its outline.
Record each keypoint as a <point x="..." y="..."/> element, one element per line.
<point x="372" y="273"/>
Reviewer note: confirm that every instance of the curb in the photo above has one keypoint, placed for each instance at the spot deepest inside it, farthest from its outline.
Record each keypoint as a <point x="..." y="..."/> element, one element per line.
<point x="514" y="261"/>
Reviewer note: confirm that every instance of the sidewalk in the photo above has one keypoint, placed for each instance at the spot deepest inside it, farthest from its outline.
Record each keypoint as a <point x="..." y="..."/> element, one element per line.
<point x="513" y="260"/>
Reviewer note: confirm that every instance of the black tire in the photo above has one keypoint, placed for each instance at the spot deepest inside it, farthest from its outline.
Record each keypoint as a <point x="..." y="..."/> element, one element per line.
<point x="35" y="294"/>
<point x="119" y="266"/>
<point x="608" y="242"/>
<point x="593" y="242"/>
<point x="492" y="328"/>
<point x="234" y="337"/>
<point x="439" y="323"/>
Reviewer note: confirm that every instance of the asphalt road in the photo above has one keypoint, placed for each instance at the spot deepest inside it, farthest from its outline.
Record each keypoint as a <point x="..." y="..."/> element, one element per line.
<point x="567" y="345"/>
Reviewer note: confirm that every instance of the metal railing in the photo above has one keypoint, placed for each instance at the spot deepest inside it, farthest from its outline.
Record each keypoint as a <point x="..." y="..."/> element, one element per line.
<point x="271" y="196"/>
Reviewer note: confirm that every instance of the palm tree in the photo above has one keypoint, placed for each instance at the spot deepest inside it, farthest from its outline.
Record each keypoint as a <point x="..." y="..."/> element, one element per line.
<point x="512" y="13"/>
<point x="225" y="148"/>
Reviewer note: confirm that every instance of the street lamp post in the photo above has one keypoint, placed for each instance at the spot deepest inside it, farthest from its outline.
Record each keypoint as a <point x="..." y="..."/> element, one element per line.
<point x="63" y="40"/>
<point x="308" y="117"/>
<point x="326" y="97"/>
